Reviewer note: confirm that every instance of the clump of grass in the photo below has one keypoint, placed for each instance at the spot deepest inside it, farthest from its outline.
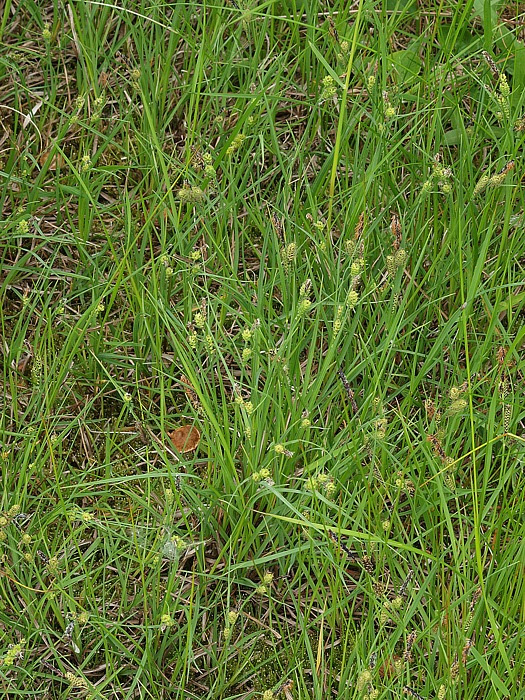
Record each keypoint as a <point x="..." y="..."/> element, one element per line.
<point x="297" y="237"/>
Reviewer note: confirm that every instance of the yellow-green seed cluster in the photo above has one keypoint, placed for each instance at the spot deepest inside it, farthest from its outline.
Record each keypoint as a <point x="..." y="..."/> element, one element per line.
<point x="389" y="111"/>
<point x="440" y="175"/>
<point x="235" y="144"/>
<point x="345" y="49"/>
<point x="22" y="228"/>
<point x="390" y="608"/>
<point x="304" y="299"/>
<point x="395" y="261"/>
<point x="329" y="89"/>
<point x="231" y="619"/>
<point x="7" y="517"/>
<point x="246" y="405"/>
<point x="76" y="681"/>
<point x="85" y="163"/>
<point x="166" y="621"/>
<point x="458" y="404"/>
<point x="262" y="474"/>
<point x="502" y="98"/>
<point x="265" y="584"/>
<point x="209" y="170"/>
<point x="247" y="336"/>
<point x="288" y="255"/>
<point x="13" y="653"/>
<point x="191" y="195"/>
<point x="364" y="683"/>
<point x="280" y="449"/>
<point x="492" y="181"/>
<point x="321" y="482"/>
<point x="305" y="419"/>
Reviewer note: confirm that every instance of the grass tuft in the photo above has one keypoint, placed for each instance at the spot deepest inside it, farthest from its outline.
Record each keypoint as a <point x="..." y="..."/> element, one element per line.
<point x="261" y="345"/>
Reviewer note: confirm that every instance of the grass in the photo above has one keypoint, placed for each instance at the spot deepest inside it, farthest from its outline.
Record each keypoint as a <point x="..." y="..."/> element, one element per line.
<point x="308" y="245"/>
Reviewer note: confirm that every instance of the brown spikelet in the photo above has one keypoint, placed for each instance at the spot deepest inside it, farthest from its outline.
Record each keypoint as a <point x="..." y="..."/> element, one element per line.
<point x="436" y="444"/>
<point x="475" y="598"/>
<point x="349" y="552"/>
<point x="492" y="65"/>
<point x="407" y="654"/>
<point x="42" y="556"/>
<point x="404" y="586"/>
<point x="430" y="408"/>
<point x="368" y="564"/>
<point x="278" y="225"/>
<point x="190" y="392"/>
<point x="468" y="622"/>
<point x="359" y="226"/>
<point x="285" y="688"/>
<point x="332" y="29"/>
<point x="56" y="160"/>
<point x="507" y="168"/>
<point x="348" y="389"/>
<point x="379" y="588"/>
<point x="23" y="364"/>
<point x="395" y="227"/>
<point x="469" y="643"/>
<point x="142" y="433"/>
<point x="464" y="386"/>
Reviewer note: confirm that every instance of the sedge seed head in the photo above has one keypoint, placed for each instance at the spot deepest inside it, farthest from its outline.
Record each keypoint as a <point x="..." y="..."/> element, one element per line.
<point x="311" y="483"/>
<point x="400" y="257"/>
<point x="352" y="299"/>
<point x="390" y="112"/>
<point x="355" y="269"/>
<point x="481" y="184"/>
<point x="504" y="86"/>
<point x="305" y="289"/>
<point x="397" y="603"/>
<point x="364" y="678"/>
<point x="232" y="616"/>
<point x="167" y="621"/>
<point x="303" y="306"/>
<point x="192" y="340"/>
<point x="458" y="406"/>
<point x="391" y="266"/>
